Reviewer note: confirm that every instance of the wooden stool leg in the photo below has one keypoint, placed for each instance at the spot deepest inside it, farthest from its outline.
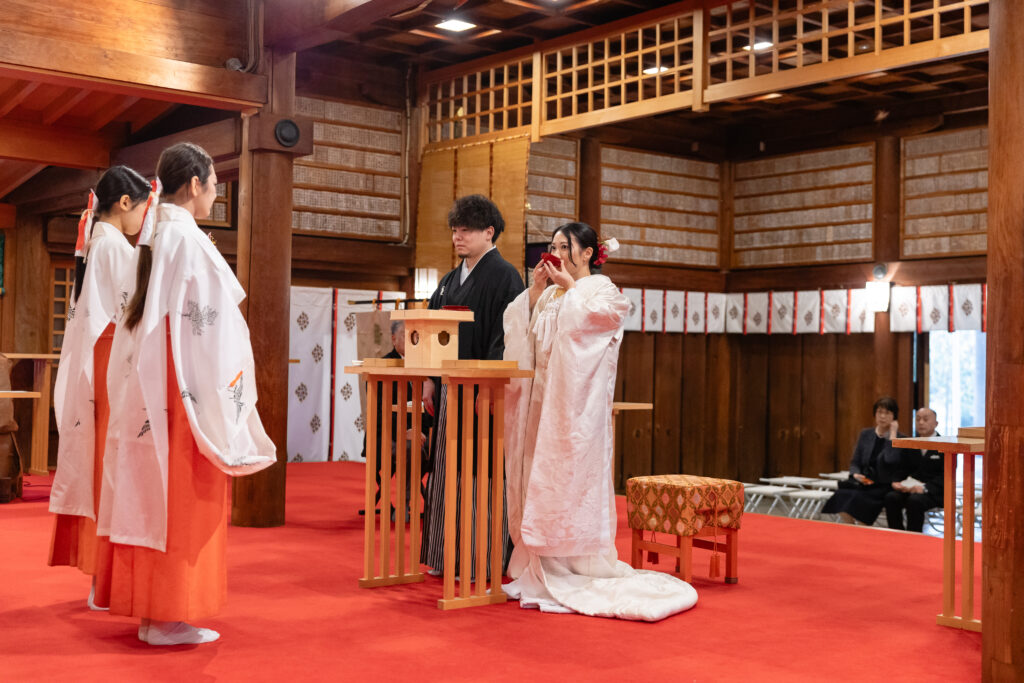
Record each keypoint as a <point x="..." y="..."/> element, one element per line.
<point x="636" y="559"/>
<point x="685" y="545"/>
<point x="732" y="538"/>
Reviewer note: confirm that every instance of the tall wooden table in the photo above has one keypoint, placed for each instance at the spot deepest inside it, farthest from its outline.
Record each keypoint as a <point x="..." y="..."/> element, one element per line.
<point x="950" y="447"/>
<point x="41" y="362"/>
<point x="486" y="379"/>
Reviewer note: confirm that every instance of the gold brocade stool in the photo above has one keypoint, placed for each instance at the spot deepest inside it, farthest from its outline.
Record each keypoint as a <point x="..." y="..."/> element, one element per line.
<point x="689" y="508"/>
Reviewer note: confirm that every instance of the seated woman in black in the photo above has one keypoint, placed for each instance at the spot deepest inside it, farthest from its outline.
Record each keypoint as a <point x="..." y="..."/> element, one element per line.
<point x="874" y="467"/>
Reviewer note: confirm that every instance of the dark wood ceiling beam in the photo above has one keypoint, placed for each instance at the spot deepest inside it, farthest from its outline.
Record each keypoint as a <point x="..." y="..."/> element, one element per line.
<point x="15" y="95"/>
<point x="51" y="145"/>
<point x="67" y="101"/>
<point x="302" y="24"/>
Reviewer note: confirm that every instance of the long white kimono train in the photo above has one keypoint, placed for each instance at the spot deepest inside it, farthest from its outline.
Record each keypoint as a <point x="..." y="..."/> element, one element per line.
<point x="109" y="264"/>
<point x="558" y="462"/>
<point x="193" y="287"/>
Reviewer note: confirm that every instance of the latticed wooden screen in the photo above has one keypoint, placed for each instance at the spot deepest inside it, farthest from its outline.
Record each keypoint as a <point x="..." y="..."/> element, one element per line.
<point x="495" y="99"/>
<point x="352" y="183"/>
<point x="814" y="207"/>
<point x="662" y="209"/>
<point x="945" y="193"/>
<point x="63" y="283"/>
<point x="678" y="57"/>
<point x="221" y="213"/>
<point x="551" y="190"/>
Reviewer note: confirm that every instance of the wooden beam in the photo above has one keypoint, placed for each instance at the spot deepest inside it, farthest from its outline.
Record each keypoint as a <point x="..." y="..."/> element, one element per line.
<point x="111" y="112"/>
<point x="67" y="101"/>
<point x="1002" y="648"/>
<point x="917" y="272"/>
<point x="222" y="140"/>
<point x="21" y="173"/>
<point x="15" y="96"/>
<point x="60" y="62"/>
<point x="301" y="24"/>
<point x="8" y="214"/>
<point x="52" y="145"/>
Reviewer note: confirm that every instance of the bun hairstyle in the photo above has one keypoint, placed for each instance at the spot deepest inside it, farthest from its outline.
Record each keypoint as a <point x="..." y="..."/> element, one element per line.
<point x="117" y="182"/>
<point x="177" y="166"/>
<point x="585" y="237"/>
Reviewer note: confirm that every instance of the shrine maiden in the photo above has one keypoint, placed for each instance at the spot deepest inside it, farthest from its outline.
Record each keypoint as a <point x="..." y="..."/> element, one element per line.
<point x="183" y="415"/>
<point x="103" y="259"/>
<point x="567" y="328"/>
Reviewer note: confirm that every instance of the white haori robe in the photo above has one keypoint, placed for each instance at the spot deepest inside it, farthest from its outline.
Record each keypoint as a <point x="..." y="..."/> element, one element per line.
<point x="193" y="288"/>
<point x="109" y="262"/>
<point x="558" y="461"/>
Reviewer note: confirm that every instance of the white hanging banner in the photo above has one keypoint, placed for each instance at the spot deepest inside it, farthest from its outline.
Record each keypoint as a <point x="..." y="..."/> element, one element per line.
<point x="349" y="397"/>
<point x="967" y="307"/>
<point x="714" y="318"/>
<point x="756" y="320"/>
<point x="696" y="309"/>
<point x="861" y="318"/>
<point x="734" y="313"/>
<point x="903" y="309"/>
<point x="635" y="317"/>
<point x="675" y="311"/>
<point x="808" y="311"/>
<point x="934" y="308"/>
<point x="654" y="310"/>
<point x="781" y="316"/>
<point x="309" y="374"/>
<point x="834" y="308"/>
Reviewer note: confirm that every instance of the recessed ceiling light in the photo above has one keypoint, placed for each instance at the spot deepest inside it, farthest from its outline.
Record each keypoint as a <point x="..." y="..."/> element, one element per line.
<point x="455" y="25"/>
<point x="772" y="96"/>
<point x="651" y="70"/>
<point x="758" y="46"/>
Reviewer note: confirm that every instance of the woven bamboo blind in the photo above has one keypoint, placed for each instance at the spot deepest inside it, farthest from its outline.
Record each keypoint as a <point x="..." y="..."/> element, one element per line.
<point x="352" y="183"/>
<point x="551" y="187"/>
<point x="945" y="193"/>
<point x="662" y="209"/>
<point x="509" y="162"/>
<point x="814" y="207"/>
<point x="437" y="192"/>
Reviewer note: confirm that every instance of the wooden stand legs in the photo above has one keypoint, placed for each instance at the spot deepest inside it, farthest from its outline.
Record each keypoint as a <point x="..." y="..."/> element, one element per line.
<point x="683" y="551"/>
<point x="482" y="587"/>
<point x="948" y="617"/>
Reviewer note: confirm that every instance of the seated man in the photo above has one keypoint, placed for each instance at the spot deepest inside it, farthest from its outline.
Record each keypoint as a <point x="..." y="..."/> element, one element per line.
<point x="925" y="490"/>
<point x="874" y="467"/>
<point x="398" y="341"/>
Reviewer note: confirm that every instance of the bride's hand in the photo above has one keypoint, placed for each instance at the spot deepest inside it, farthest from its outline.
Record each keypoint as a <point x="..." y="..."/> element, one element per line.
<point x="541" y="278"/>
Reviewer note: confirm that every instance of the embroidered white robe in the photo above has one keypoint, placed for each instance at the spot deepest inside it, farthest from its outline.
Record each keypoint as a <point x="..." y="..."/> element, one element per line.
<point x="558" y="462"/>
<point x="191" y="286"/>
<point x="109" y="262"/>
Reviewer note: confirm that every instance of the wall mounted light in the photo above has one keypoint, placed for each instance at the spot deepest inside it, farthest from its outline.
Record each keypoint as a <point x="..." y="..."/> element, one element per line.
<point x="878" y="289"/>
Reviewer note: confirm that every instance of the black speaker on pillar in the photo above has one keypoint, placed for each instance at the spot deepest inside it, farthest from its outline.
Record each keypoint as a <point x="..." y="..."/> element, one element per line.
<point x="277" y="133"/>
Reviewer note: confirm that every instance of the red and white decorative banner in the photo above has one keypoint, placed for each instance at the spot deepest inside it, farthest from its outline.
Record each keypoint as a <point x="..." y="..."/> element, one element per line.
<point x="757" y="313"/>
<point x="834" y="310"/>
<point x="967" y="308"/>
<point x="714" y="312"/>
<point x="734" y="312"/>
<point x="808" y="311"/>
<point x="696" y="306"/>
<point x="934" y="311"/>
<point x="654" y="310"/>
<point x="781" y="315"/>
<point x="635" y="317"/>
<point x="903" y="309"/>
<point x="675" y="311"/>
<point x="861" y="318"/>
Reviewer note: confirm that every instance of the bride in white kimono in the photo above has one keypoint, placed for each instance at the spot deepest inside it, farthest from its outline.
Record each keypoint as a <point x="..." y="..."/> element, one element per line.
<point x="183" y="415"/>
<point x="567" y="328"/>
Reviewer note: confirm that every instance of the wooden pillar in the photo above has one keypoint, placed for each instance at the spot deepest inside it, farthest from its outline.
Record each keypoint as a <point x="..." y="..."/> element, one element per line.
<point x="887" y="381"/>
<point x="264" y="269"/>
<point x="1003" y="540"/>
<point x="589" y="204"/>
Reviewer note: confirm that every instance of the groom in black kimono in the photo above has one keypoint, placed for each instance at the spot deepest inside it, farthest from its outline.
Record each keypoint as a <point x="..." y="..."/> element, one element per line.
<point x="487" y="284"/>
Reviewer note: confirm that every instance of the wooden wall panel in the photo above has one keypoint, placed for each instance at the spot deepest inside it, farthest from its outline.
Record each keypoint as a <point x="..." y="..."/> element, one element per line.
<point x="668" y="394"/>
<point x="509" y="164"/>
<point x="662" y="209"/>
<point x="812" y="207"/>
<point x="551" y="187"/>
<point x="785" y="370"/>
<point x="636" y="360"/>
<point x="945" y="193"/>
<point x="437" y="192"/>
<point x="696" y="430"/>
<point x="819" y="451"/>
<point x="185" y="30"/>
<point x="855" y="391"/>
<point x="750" y="383"/>
<point x="352" y="183"/>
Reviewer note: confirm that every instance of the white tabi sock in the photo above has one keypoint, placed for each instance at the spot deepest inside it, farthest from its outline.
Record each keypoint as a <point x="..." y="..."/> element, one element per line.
<point x="178" y="633"/>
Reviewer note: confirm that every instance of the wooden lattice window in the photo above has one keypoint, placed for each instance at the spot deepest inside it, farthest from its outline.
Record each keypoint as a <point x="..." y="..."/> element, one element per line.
<point x="61" y="284"/>
<point x="220" y="214"/>
<point x="491" y="100"/>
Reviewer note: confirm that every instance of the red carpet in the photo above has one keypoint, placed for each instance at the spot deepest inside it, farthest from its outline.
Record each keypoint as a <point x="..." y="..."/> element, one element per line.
<point x="815" y="602"/>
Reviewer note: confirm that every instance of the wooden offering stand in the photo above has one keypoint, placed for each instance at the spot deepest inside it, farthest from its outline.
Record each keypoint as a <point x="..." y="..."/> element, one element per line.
<point x="433" y="353"/>
<point x="41" y="363"/>
<point x="970" y="441"/>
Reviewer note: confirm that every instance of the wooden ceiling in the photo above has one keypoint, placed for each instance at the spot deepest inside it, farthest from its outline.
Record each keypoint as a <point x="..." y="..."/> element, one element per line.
<point x="411" y="35"/>
<point x="43" y="123"/>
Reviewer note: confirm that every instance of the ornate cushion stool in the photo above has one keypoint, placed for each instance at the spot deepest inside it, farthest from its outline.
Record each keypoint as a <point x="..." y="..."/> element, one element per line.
<point x="691" y="509"/>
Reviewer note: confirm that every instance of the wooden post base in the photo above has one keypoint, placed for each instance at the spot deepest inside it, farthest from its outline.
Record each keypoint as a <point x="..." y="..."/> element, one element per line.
<point x="391" y="580"/>
<point x="959" y="622"/>
<point x="491" y="598"/>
